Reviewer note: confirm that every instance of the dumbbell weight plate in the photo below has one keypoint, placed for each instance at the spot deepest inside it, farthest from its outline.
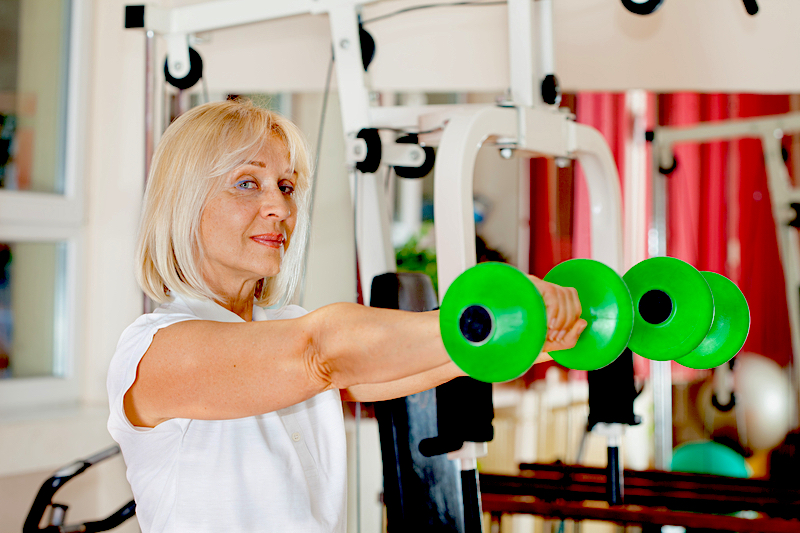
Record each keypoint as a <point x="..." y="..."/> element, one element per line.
<point x="673" y="308"/>
<point x="728" y="330"/>
<point x="605" y="305"/>
<point x="493" y="322"/>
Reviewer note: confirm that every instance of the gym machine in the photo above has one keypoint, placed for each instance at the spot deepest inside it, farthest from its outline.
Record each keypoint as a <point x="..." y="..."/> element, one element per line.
<point x="528" y="123"/>
<point x="785" y="198"/>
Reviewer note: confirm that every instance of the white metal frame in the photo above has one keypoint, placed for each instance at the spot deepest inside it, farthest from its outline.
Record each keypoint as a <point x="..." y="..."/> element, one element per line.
<point x="49" y="217"/>
<point x="770" y="131"/>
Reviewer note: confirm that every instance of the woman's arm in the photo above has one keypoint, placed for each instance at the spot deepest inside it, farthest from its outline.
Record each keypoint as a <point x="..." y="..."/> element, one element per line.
<point x="216" y="370"/>
<point x="377" y="392"/>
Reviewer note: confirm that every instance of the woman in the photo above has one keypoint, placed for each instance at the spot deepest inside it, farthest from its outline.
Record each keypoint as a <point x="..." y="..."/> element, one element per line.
<point x="228" y="413"/>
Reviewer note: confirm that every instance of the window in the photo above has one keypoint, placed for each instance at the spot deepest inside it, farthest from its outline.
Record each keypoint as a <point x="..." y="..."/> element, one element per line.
<point x="41" y="205"/>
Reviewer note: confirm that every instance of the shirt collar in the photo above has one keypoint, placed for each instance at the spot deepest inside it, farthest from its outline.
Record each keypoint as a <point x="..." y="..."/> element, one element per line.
<point x="210" y="310"/>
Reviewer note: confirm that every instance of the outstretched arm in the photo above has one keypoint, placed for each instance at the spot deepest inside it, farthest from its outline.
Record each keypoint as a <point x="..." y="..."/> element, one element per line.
<point x="215" y="370"/>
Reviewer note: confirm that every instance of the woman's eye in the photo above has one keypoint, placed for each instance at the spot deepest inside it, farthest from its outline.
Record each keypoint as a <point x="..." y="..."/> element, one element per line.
<point x="286" y="187"/>
<point x="246" y="184"/>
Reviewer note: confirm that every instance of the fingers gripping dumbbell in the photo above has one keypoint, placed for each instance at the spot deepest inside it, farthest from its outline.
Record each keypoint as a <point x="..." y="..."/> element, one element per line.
<point x="493" y="320"/>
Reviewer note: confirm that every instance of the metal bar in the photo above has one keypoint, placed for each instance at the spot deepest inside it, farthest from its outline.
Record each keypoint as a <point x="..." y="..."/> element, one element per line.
<point x="372" y="220"/>
<point x="208" y="16"/>
<point x="149" y="100"/>
<point x="520" y="53"/>
<point x="782" y="192"/>
<point x="627" y="515"/>
<point x="660" y="371"/>
<point x="675" y="490"/>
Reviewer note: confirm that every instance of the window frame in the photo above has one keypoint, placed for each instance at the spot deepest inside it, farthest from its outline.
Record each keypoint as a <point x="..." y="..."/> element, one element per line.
<point x="58" y="217"/>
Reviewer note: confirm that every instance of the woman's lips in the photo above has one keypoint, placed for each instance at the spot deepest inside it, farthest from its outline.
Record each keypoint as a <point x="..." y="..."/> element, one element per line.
<point x="273" y="240"/>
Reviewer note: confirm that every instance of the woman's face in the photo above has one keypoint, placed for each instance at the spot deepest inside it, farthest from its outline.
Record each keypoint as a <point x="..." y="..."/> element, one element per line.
<point x="246" y="226"/>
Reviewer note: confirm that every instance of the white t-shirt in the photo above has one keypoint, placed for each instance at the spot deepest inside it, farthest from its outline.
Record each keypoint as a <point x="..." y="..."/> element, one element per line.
<point x="277" y="472"/>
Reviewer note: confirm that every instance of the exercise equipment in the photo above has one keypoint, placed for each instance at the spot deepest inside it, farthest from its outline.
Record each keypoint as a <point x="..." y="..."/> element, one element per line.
<point x="709" y="457"/>
<point x="56" y="521"/>
<point x="674" y="308"/>
<point x="605" y="305"/>
<point x="653" y="498"/>
<point x="494" y="321"/>
<point x="420" y="490"/>
<point x="764" y="396"/>
<point x="728" y="330"/>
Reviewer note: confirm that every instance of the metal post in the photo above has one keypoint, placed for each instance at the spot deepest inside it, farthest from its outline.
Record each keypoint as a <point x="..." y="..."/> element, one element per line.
<point x="149" y="118"/>
<point x="660" y="371"/>
<point x="149" y="107"/>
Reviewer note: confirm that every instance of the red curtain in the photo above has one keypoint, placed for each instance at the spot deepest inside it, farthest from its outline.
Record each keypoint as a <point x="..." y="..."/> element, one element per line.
<point x="760" y="273"/>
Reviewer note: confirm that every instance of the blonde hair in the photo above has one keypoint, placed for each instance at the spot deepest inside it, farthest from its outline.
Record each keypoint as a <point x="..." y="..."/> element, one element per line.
<point x="194" y="155"/>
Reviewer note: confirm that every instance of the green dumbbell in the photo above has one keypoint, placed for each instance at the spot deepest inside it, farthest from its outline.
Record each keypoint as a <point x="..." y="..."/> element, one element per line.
<point x="699" y="319"/>
<point x="494" y="323"/>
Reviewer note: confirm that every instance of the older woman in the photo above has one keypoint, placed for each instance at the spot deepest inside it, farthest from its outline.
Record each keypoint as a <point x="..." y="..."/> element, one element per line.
<point x="228" y="412"/>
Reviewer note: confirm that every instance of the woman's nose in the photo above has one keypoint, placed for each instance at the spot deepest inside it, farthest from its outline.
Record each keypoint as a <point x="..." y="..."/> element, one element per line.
<point x="275" y="204"/>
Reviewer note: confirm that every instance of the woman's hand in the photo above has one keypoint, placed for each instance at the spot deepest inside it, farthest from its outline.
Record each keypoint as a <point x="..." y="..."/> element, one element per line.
<point x="564" y="322"/>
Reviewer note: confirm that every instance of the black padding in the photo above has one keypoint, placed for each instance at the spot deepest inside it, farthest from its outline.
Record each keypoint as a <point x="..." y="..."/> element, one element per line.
<point x="641" y="8"/>
<point x="425" y="168"/>
<point x="367" y="47"/>
<point x="612" y="391"/>
<point x="551" y="91"/>
<point x="751" y="6"/>
<point x="421" y="494"/>
<point x="465" y="412"/>
<point x="373" y="159"/>
<point x="409" y="291"/>
<point x="134" y="17"/>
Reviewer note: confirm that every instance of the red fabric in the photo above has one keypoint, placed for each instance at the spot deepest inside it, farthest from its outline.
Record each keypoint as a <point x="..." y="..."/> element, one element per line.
<point x="541" y="258"/>
<point x="760" y="271"/>
<point x="606" y="113"/>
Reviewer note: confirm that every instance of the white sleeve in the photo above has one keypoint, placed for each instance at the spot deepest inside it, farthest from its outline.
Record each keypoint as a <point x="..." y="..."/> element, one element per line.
<point x="133" y="344"/>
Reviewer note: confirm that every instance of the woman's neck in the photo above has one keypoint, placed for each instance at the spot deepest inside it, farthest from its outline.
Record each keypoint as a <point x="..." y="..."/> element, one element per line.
<point x="239" y="301"/>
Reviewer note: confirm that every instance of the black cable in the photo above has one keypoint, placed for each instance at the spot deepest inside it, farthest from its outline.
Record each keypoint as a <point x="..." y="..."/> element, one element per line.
<point x="428" y="6"/>
<point x="314" y="175"/>
<point x="325" y="94"/>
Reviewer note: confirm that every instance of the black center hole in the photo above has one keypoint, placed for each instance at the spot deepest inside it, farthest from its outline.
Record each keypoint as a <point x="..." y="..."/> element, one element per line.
<point x="655" y="306"/>
<point x="475" y="323"/>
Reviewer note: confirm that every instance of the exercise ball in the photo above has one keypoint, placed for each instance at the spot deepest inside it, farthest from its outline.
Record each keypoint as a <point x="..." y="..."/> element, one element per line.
<point x="707" y="457"/>
<point x="763" y="401"/>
